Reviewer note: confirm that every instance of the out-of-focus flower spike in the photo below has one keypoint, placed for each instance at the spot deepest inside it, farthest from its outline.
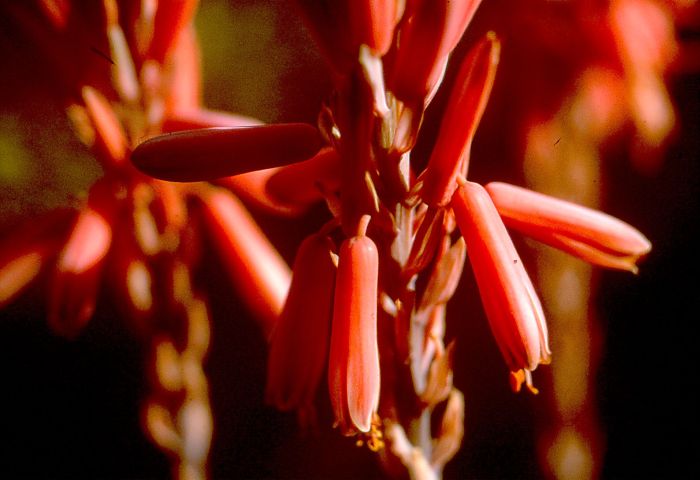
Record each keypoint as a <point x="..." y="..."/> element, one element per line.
<point x="78" y="269"/>
<point x="57" y="11"/>
<point x="131" y="281"/>
<point x="511" y="304"/>
<point x="18" y="272"/>
<point x="203" y="118"/>
<point x="159" y="423"/>
<point x="466" y="105"/>
<point x="429" y="31"/>
<point x="107" y="126"/>
<point x="144" y="24"/>
<point x="593" y="236"/>
<point x="182" y="80"/>
<point x="261" y="275"/>
<point x="299" y="346"/>
<point x="124" y="75"/>
<point x="211" y="153"/>
<point x="25" y="251"/>
<point x="353" y="370"/>
<point x="33" y="29"/>
<point x="171" y="18"/>
<point x="195" y="422"/>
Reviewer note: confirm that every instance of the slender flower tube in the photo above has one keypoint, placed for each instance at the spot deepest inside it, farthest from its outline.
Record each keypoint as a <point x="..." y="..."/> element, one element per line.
<point x="592" y="236"/>
<point x="109" y="129"/>
<point x="211" y="153"/>
<point x="340" y="27"/>
<point x="372" y="23"/>
<point x="511" y="304"/>
<point x="299" y="346"/>
<point x="467" y="103"/>
<point x="79" y="267"/>
<point x="168" y="24"/>
<point x="262" y="276"/>
<point x="429" y="31"/>
<point x="353" y="370"/>
<point x="26" y="250"/>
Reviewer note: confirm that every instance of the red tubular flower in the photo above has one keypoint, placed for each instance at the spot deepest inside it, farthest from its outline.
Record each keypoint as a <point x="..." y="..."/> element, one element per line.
<point x="590" y="235"/>
<point x="353" y="369"/>
<point x="27" y="249"/>
<point x="168" y="23"/>
<point x="211" y="153"/>
<point x="510" y="301"/>
<point x="340" y="27"/>
<point x="260" y="274"/>
<point x="372" y="23"/>
<point x="299" y="346"/>
<point x="79" y="267"/>
<point x="429" y="31"/>
<point x="467" y="103"/>
<point x="109" y="129"/>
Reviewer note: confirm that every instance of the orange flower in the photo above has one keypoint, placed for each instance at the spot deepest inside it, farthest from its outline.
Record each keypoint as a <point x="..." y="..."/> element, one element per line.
<point x="429" y="31"/>
<point x="592" y="236"/>
<point x="510" y="301"/>
<point x="353" y="370"/>
<point x="260" y="273"/>
<point x="299" y="346"/>
<point x="470" y="93"/>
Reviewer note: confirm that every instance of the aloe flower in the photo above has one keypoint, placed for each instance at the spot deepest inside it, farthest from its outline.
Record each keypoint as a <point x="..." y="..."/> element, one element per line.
<point x="371" y="314"/>
<point x="353" y="367"/>
<point x="135" y="234"/>
<point x="512" y="306"/>
<point x="593" y="236"/>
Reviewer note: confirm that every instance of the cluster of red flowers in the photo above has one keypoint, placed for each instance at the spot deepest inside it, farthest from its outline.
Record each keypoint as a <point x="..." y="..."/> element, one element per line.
<point x="366" y="300"/>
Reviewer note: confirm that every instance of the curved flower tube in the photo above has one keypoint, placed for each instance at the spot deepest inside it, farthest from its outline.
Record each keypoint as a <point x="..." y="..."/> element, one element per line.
<point x="353" y="369"/>
<point x="590" y="235"/>
<point x="299" y="346"/>
<point x="511" y="304"/>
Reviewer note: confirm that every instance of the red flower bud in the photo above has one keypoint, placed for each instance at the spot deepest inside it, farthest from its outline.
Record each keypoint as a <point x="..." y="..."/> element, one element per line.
<point x="467" y="103"/>
<point x="353" y="370"/>
<point x="592" y="236"/>
<point x="510" y="301"/>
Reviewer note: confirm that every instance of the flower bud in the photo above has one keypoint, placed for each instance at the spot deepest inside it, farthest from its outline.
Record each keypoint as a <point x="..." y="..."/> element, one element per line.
<point x="353" y="370"/>
<point x="592" y="236"/>
<point x="511" y="304"/>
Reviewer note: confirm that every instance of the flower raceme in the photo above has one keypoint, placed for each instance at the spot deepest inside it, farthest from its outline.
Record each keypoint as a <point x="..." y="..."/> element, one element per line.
<point x="592" y="236"/>
<point x="353" y="369"/>
<point x="512" y="307"/>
